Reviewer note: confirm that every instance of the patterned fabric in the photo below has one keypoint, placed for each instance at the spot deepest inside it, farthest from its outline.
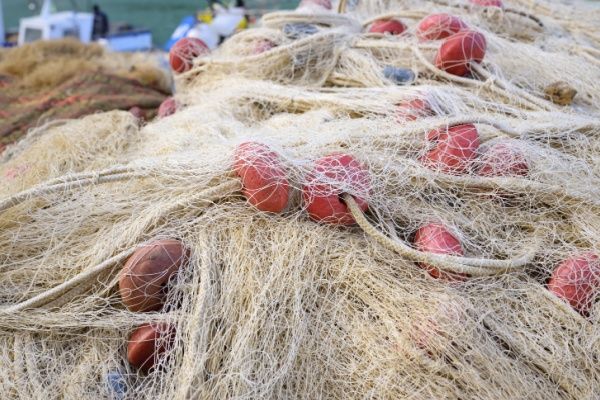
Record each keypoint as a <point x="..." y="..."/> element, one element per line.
<point x="81" y="95"/>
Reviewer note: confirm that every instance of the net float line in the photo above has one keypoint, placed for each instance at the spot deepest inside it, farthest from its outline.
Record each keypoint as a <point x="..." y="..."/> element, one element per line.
<point x="89" y="276"/>
<point x="471" y="266"/>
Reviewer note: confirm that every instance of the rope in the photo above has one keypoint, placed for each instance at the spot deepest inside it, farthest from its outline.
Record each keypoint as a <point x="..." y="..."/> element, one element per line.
<point x="471" y="266"/>
<point x="64" y="186"/>
<point x="472" y="82"/>
<point x="89" y="275"/>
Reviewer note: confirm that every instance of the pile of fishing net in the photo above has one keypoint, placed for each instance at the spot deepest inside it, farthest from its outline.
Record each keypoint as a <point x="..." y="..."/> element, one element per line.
<point x="46" y="81"/>
<point x="327" y="212"/>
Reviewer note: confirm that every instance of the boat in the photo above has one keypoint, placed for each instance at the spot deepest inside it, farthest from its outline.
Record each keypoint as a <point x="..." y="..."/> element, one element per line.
<point x="212" y="25"/>
<point x="51" y="25"/>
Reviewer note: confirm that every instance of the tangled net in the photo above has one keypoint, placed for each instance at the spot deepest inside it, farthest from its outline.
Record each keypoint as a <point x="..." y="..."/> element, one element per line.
<point x="279" y="305"/>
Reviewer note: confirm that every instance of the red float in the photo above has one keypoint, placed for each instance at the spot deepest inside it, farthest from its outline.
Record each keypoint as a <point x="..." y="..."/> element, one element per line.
<point x="333" y="176"/>
<point x="147" y="345"/>
<point x="147" y="272"/>
<point x="183" y="53"/>
<point x="167" y="107"/>
<point x="577" y="280"/>
<point x="488" y="3"/>
<point x="503" y="158"/>
<point x="439" y="26"/>
<point x="263" y="175"/>
<point x="138" y="113"/>
<point x="262" y="45"/>
<point x="391" y="26"/>
<point x="458" y="51"/>
<point x="454" y="149"/>
<point x="430" y="331"/>
<point x="326" y="4"/>
<point x="411" y="110"/>
<point x="437" y="239"/>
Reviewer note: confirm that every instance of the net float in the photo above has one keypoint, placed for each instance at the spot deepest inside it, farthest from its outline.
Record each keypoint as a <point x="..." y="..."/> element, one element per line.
<point x="577" y="280"/>
<point x="439" y="26"/>
<point x="183" y="53"/>
<point x="264" y="177"/>
<point x="137" y="113"/>
<point x="262" y="45"/>
<point x="437" y="239"/>
<point x="411" y="110"/>
<point x="390" y="26"/>
<point x="399" y="76"/>
<point x="167" y="107"/>
<point x="331" y="177"/>
<point x="147" y="272"/>
<point x="148" y="344"/>
<point x="458" y="51"/>
<point x="488" y="3"/>
<point x="503" y="158"/>
<point x="299" y="30"/>
<point x="454" y="148"/>
<point x="433" y="332"/>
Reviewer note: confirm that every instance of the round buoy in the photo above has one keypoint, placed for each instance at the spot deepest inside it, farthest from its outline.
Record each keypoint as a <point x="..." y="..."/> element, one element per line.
<point x="167" y="107"/>
<point x="399" y="76"/>
<point x="262" y="45"/>
<point x="454" y="148"/>
<point x="138" y="113"/>
<point x="324" y="4"/>
<point x="263" y="175"/>
<point x="183" y="53"/>
<point x="488" y="3"/>
<point x="439" y="26"/>
<point x="390" y="26"/>
<point x="333" y="176"/>
<point x="411" y="110"/>
<point x="437" y="239"/>
<point x="433" y="332"/>
<point x="577" y="280"/>
<point x="147" y="345"/>
<point x="458" y="51"/>
<point x="146" y="273"/>
<point x="503" y="158"/>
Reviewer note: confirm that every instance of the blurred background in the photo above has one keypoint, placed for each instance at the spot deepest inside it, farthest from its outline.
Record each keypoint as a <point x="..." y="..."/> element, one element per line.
<point x="161" y="16"/>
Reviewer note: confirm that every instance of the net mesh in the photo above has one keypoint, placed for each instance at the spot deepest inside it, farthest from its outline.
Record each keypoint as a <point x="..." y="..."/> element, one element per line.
<point x="280" y="306"/>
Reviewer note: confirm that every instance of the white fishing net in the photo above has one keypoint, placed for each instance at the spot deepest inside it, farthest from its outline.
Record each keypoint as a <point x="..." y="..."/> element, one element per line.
<point x="278" y="305"/>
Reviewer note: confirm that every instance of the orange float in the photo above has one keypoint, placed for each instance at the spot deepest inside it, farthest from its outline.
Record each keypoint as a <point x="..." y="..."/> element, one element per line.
<point x="455" y="147"/>
<point x="390" y="26"/>
<point x="488" y="3"/>
<point x="437" y="239"/>
<point x="411" y="110"/>
<point x="333" y="176"/>
<point x="502" y="159"/>
<point x="146" y="273"/>
<point x="458" y="51"/>
<point x="263" y="175"/>
<point x="148" y="344"/>
<point x="577" y="280"/>
<point x="183" y="53"/>
<point x="439" y="26"/>
<point x="167" y="107"/>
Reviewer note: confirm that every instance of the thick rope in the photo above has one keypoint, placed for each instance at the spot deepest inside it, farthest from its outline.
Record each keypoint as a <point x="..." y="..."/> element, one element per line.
<point x="89" y="276"/>
<point x="471" y="266"/>
<point x="45" y="189"/>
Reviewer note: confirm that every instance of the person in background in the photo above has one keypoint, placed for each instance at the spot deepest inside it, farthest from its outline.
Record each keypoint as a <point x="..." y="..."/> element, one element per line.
<point x="100" y="23"/>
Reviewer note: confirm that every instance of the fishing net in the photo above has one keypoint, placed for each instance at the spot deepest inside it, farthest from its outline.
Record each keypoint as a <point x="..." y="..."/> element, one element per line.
<point x="291" y="304"/>
<point x="46" y="81"/>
